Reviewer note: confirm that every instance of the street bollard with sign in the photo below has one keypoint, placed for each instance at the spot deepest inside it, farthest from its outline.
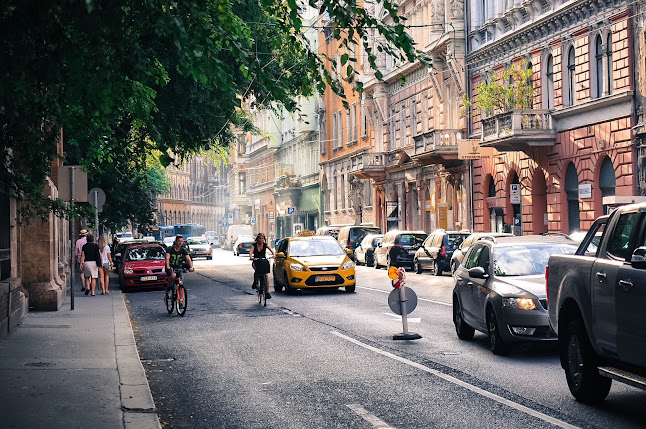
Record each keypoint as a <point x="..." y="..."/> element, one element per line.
<point x="402" y="301"/>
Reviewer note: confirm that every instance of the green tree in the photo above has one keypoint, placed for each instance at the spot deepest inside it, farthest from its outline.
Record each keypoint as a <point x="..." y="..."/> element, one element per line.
<point x="125" y="79"/>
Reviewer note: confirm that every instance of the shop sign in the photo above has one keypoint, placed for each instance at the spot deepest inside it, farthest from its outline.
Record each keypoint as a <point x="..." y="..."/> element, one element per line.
<point x="271" y="216"/>
<point x="392" y="214"/>
<point x="585" y="190"/>
<point x="514" y="193"/>
<point x="442" y="217"/>
<point x="471" y="149"/>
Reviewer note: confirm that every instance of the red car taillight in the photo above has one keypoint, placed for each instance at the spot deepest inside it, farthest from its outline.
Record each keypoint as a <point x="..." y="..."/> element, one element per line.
<point x="239" y="246"/>
<point x="443" y="251"/>
<point x="547" y="276"/>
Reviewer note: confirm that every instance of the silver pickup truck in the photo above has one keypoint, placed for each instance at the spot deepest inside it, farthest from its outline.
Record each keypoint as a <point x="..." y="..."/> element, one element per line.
<point x="597" y="305"/>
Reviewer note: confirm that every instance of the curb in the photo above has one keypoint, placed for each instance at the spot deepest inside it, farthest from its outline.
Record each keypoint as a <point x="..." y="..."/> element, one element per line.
<point x="137" y="403"/>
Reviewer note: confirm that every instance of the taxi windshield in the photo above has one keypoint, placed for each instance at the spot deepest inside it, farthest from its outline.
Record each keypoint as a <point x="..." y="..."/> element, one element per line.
<point x="315" y="248"/>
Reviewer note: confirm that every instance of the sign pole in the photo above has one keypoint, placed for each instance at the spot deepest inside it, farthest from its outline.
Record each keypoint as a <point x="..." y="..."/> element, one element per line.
<point x="72" y="241"/>
<point x="96" y="214"/>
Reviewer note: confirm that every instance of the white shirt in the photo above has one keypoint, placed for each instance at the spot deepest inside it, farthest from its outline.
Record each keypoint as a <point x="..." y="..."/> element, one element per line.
<point x="104" y="255"/>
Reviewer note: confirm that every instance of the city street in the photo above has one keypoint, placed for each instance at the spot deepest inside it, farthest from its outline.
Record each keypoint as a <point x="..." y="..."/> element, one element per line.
<point x="327" y="359"/>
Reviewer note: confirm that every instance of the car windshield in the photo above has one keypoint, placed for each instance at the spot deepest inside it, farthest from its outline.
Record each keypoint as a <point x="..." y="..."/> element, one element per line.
<point x="145" y="253"/>
<point x="315" y="248"/>
<point x="526" y="260"/>
<point x="197" y="241"/>
<point x="411" y="239"/>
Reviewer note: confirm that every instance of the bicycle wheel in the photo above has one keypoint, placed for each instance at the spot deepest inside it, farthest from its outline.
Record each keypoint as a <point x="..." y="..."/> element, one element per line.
<point x="168" y="300"/>
<point x="259" y="291"/>
<point x="265" y="290"/>
<point x="181" y="304"/>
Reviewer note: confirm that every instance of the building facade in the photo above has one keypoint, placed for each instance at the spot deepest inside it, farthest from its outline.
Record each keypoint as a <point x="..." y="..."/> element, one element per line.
<point x="420" y="182"/>
<point x="570" y="155"/>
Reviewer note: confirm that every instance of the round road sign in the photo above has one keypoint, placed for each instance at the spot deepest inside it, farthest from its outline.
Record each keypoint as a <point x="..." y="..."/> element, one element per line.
<point x="96" y="197"/>
<point x="394" y="301"/>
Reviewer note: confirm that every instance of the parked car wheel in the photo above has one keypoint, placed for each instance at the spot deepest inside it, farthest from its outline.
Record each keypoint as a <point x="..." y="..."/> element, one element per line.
<point x="454" y="266"/>
<point x="496" y="343"/>
<point x="369" y="261"/>
<point x="417" y="267"/>
<point x="464" y="331"/>
<point x="436" y="268"/>
<point x="581" y="371"/>
<point x="388" y="263"/>
<point x="376" y="262"/>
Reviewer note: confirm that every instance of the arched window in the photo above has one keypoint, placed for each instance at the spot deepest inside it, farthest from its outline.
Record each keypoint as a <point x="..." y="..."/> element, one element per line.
<point x="572" y="194"/>
<point x="598" y="55"/>
<point x="607" y="181"/>
<point x="570" y="76"/>
<point x="548" y="99"/>
<point x="609" y="62"/>
<point x="491" y="191"/>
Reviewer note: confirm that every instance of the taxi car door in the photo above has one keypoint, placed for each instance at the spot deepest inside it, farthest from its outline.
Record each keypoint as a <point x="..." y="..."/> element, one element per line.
<point x="279" y="268"/>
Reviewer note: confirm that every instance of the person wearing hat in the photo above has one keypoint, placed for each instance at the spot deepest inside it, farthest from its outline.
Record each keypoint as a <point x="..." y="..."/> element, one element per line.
<point x="78" y="250"/>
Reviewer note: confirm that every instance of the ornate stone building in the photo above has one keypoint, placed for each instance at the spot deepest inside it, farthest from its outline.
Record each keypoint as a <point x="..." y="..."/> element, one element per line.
<point x="566" y="159"/>
<point x="412" y="156"/>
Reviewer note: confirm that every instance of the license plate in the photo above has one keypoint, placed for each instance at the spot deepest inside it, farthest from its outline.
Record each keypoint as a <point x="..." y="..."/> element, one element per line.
<point x="325" y="278"/>
<point x="148" y="278"/>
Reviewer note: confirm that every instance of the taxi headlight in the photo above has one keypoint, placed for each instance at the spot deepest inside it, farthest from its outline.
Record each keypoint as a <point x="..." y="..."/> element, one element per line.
<point x="128" y="270"/>
<point x="297" y="267"/>
<point x="347" y="265"/>
<point x="519" y="303"/>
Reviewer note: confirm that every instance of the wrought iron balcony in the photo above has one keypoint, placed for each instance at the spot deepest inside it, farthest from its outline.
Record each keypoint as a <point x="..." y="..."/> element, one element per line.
<point x="518" y="130"/>
<point x="437" y="146"/>
<point x="369" y="165"/>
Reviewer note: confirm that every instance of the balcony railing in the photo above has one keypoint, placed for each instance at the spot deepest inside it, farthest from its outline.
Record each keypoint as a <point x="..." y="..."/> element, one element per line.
<point x="437" y="146"/>
<point x="368" y="165"/>
<point x="519" y="130"/>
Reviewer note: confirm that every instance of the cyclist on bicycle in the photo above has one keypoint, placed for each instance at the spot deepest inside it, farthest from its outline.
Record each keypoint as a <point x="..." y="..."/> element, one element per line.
<point x="176" y="256"/>
<point x="261" y="266"/>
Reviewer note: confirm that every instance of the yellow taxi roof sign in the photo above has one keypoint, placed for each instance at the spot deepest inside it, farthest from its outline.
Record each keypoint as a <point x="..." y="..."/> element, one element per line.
<point x="306" y="233"/>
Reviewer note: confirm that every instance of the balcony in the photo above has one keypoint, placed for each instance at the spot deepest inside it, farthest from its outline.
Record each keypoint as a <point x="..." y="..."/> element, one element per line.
<point x="437" y="147"/>
<point x="369" y="165"/>
<point x="518" y="130"/>
<point x="288" y="187"/>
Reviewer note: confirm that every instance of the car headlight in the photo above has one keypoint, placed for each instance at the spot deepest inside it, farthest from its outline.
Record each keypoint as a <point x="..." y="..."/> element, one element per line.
<point x="297" y="267"/>
<point x="519" y="303"/>
<point x="128" y="270"/>
<point x="347" y="265"/>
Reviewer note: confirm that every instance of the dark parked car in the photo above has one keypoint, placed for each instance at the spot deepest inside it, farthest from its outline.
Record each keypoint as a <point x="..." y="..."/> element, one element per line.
<point x="350" y="237"/>
<point x="243" y="245"/>
<point x="364" y="254"/>
<point x="435" y="254"/>
<point x="500" y="290"/>
<point x="458" y="254"/>
<point x="143" y="266"/>
<point x="397" y="248"/>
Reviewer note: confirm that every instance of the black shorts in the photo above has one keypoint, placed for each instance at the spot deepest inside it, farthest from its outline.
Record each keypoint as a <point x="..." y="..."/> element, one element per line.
<point x="261" y="266"/>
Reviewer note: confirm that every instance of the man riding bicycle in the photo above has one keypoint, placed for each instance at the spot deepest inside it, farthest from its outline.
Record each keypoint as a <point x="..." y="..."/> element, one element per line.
<point x="176" y="256"/>
<point x="261" y="265"/>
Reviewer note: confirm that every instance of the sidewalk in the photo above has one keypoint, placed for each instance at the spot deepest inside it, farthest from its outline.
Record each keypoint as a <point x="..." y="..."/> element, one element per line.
<point x="75" y="369"/>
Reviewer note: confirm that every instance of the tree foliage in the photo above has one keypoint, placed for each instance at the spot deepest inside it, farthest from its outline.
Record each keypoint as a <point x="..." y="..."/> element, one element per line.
<point x="126" y="79"/>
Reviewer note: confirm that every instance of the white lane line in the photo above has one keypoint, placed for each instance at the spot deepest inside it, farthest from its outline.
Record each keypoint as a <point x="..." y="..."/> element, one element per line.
<point x="450" y="379"/>
<point x="399" y="318"/>
<point x="419" y="299"/>
<point x="375" y="421"/>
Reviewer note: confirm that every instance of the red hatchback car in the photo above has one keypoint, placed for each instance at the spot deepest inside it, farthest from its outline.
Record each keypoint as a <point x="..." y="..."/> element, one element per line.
<point x="143" y="267"/>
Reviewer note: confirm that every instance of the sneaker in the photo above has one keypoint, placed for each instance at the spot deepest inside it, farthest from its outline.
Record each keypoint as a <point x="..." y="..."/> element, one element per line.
<point x="268" y="295"/>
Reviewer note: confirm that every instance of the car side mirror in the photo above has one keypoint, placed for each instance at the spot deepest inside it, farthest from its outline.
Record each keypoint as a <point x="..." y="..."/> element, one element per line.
<point x="280" y="255"/>
<point x="638" y="260"/>
<point x="478" y="273"/>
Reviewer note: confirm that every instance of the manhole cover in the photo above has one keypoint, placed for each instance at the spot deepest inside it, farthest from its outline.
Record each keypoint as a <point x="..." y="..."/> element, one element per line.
<point x="40" y="364"/>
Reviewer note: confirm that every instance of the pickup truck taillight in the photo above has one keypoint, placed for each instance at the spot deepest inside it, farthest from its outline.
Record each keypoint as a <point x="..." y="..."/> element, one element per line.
<point x="443" y="251"/>
<point x="547" y="275"/>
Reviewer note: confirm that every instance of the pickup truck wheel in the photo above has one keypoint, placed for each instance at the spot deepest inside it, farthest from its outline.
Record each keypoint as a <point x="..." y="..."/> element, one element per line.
<point x="464" y="331"/>
<point x="496" y="344"/>
<point x="581" y="369"/>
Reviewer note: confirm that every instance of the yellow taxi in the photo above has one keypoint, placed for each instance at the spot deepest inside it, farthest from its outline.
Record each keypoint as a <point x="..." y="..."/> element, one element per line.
<point x="312" y="261"/>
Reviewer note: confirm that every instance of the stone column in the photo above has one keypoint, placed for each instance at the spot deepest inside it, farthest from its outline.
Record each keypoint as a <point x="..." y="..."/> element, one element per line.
<point x="39" y="261"/>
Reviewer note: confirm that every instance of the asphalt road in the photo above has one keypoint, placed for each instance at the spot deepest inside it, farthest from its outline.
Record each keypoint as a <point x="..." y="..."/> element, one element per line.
<point x="327" y="359"/>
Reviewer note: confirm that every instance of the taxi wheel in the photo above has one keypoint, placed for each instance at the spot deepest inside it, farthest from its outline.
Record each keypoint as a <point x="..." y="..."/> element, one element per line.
<point x="350" y="289"/>
<point x="278" y="286"/>
<point x="288" y="288"/>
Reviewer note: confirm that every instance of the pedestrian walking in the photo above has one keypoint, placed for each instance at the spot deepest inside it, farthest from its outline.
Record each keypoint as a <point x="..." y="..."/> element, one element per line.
<point x="90" y="261"/>
<point x="106" y="265"/>
<point x="79" y="246"/>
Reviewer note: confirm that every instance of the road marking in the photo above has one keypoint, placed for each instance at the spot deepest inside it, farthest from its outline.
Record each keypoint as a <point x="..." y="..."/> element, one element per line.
<point x="419" y="299"/>
<point x="410" y="319"/>
<point x="450" y="379"/>
<point x="375" y="421"/>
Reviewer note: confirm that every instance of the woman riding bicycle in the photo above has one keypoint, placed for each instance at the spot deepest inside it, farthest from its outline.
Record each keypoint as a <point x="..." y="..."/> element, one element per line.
<point x="261" y="266"/>
<point x="176" y="256"/>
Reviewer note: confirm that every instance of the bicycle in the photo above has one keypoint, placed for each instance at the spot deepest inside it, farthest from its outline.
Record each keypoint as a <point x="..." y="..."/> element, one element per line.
<point x="262" y="288"/>
<point x="171" y="298"/>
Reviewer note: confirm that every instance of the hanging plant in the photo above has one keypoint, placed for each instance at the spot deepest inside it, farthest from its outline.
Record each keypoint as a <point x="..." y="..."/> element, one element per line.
<point x="511" y="90"/>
